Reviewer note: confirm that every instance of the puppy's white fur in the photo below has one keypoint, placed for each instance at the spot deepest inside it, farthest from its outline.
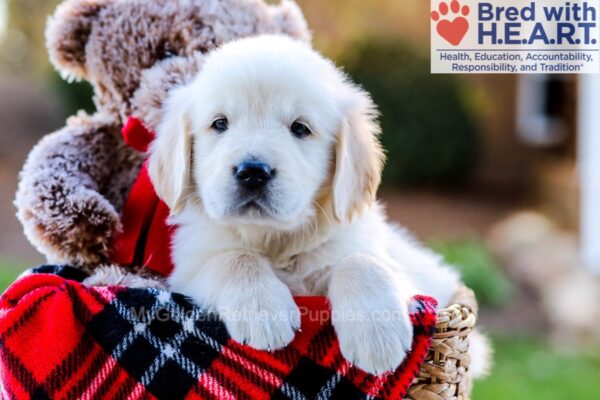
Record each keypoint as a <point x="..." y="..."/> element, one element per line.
<point x="317" y="230"/>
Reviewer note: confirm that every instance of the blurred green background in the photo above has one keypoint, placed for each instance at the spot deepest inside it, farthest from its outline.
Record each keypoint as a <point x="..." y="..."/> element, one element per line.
<point x="458" y="176"/>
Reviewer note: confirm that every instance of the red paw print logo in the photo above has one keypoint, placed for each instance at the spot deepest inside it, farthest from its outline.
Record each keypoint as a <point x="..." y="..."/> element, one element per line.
<point x="451" y="22"/>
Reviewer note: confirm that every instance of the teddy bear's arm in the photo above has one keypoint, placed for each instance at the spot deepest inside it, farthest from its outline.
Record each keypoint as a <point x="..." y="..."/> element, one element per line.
<point x="72" y="187"/>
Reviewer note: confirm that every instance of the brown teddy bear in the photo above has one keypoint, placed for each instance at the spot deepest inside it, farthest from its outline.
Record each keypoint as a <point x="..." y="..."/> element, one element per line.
<point x="75" y="181"/>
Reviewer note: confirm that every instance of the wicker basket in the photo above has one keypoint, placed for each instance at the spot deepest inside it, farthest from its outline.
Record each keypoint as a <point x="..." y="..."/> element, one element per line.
<point x="445" y="373"/>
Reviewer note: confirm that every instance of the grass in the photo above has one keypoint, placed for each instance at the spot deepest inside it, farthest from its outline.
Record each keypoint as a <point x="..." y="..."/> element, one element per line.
<point x="524" y="367"/>
<point x="527" y="368"/>
<point x="9" y="270"/>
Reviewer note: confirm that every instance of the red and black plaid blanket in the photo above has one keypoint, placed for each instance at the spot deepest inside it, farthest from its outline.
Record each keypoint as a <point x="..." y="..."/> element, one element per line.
<point x="62" y="340"/>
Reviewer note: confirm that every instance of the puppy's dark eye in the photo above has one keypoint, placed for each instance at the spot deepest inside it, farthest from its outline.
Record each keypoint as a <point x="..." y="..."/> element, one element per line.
<point x="220" y="125"/>
<point x="300" y="130"/>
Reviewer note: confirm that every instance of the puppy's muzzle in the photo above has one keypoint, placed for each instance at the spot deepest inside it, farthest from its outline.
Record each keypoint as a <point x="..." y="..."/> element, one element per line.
<point x="254" y="176"/>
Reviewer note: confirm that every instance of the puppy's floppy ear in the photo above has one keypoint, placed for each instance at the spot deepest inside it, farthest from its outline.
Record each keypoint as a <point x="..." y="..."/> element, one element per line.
<point x="170" y="161"/>
<point x="67" y="34"/>
<point x="359" y="158"/>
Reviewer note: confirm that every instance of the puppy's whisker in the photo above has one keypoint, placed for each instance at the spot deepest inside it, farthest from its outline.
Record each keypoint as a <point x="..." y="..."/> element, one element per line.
<point x="316" y="224"/>
<point x="324" y="213"/>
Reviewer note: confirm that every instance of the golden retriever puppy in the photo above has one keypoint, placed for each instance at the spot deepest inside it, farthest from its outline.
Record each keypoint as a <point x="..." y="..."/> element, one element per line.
<point x="270" y="162"/>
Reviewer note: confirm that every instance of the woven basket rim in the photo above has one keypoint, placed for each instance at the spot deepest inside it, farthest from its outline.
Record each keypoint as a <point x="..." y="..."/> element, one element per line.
<point x="445" y="373"/>
<point x="464" y="297"/>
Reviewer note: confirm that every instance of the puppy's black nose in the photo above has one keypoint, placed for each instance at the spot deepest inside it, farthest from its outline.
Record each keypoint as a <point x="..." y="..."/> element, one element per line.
<point x="253" y="175"/>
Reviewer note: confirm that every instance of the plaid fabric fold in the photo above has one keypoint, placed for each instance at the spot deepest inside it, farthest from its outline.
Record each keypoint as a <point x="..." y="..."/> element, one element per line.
<point x="62" y="340"/>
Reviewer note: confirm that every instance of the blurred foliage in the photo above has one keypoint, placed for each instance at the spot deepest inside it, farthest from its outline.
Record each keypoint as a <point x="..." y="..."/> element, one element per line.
<point x="478" y="270"/>
<point x="23" y="47"/>
<point x="527" y="368"/>
<point x="74" y="96"/>
<point x="338" y="24"/>
<point x="23" y="51"/>
<point x="428" y="130"/>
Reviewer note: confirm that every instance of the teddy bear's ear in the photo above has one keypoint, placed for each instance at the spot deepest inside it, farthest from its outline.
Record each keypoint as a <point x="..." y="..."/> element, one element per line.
<point x="290" y="20"/>
<point x="67" y="34"/>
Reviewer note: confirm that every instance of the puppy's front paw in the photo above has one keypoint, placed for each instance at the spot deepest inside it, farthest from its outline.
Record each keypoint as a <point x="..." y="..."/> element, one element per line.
<point x="374" y="340"/>
<point x="265" y="317"/>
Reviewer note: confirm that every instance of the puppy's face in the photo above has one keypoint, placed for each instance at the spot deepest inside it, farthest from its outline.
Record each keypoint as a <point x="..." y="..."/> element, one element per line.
<point x="259" y="132"/>
<point x="262" y="143"/>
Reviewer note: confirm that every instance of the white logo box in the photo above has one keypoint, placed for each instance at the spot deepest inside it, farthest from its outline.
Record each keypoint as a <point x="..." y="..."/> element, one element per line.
<point x="515" y="36"/>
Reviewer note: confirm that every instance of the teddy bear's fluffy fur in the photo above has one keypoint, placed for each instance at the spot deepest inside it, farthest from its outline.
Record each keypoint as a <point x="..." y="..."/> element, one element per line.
<point x="133" y="52"/>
